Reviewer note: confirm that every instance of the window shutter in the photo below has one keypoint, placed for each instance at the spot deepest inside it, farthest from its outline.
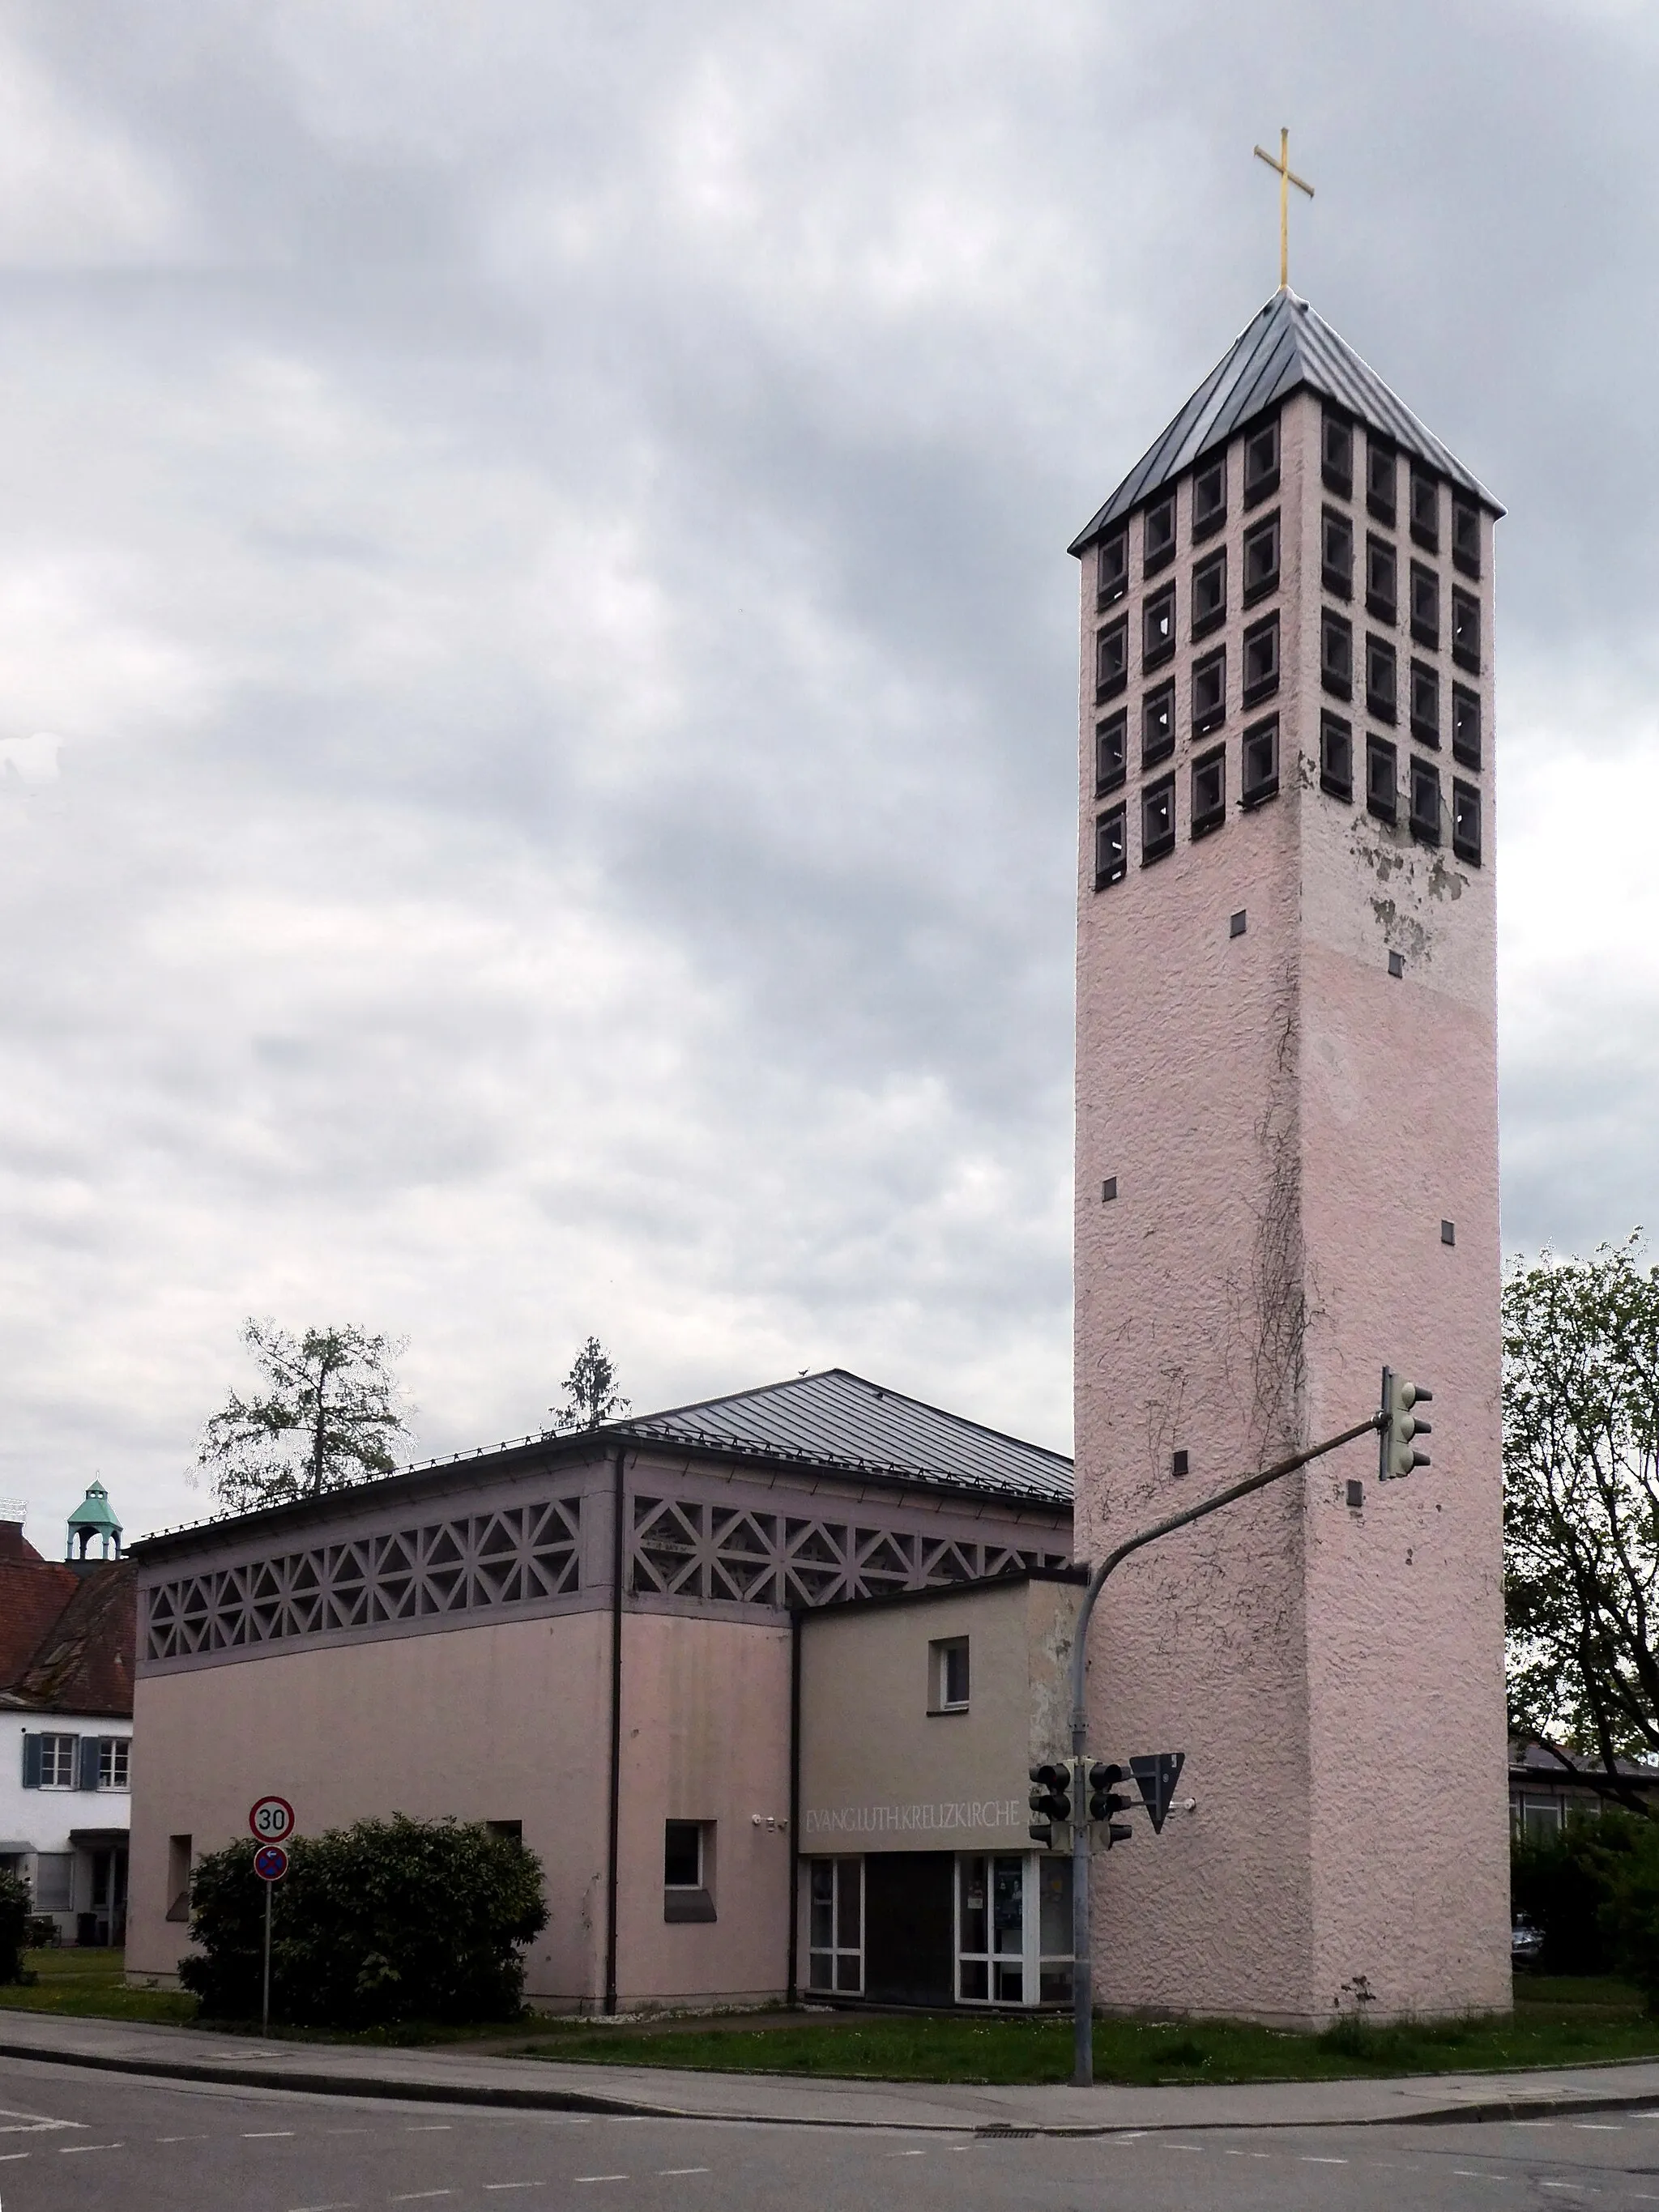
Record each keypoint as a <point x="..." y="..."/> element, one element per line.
<point x="86" y="1756"/>
<point x="31" y="1762"/>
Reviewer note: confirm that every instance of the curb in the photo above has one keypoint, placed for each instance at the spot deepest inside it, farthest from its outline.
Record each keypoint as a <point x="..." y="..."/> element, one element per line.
<point x="302" y="2081"/>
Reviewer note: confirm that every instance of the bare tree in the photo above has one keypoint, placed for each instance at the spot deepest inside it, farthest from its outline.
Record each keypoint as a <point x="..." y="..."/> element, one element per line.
<point x="328" y="1419"/>
<point x="1581" y="1516"/>
<point x="591" y="1397"/>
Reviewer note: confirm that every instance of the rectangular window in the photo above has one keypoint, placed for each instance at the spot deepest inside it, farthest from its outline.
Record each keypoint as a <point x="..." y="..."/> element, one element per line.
<point x="1336" y="654"/>
<point x="1112" y="574"/>
<point x="1111" y="857"/>
<point x="1381" y="798"/>
<point x="1209" y="792"/>
<point x="834" y="1926"/>
<point x="1261" y="559"/>
<point x="1111" y="751"/>
<point x="1157" y="629"/>
<point x="1210" y="691"/>
<point x="1158" y="729"/>
<point x="1336" y="756"/>
<point x="1465" y="821"/>
<point x="1210" y="594"/>
<point x="1158" y="832"/>
<point x="1465" y="725"/>
<point x="54" y="1881"/>
<point x="1380" y="477"/>
<point x="1426" y="605"/>
<point x="1336" y="455"/>
<point x="1259" y="779"/>
<point x="1158" y="534"/>
<point x="57" y="1757"/>
<point x="1260" y="660"/>
<point x="1426" y="703"/>
<point x="1465" y="630"/>
<point x="1210" y="498"/>
<point x="178" y="1857"/>
<point x="688" y="1885"/>
<point x="1261" y="462"/>
<point x="947" y="1675"/>
<point x="1382" y="679"/>
<point x="115" y="1762"/>
<point x="1112" y="659"/>
<point x="1336" y="548"/>
<point x="1425" y="802"/>
<point x="1425" y="510"/>
<point x="1382" y="582"/>
<point x="1466" y="537"/>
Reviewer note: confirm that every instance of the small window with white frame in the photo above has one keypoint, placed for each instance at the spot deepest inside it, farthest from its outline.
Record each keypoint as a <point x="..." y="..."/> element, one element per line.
<point x="48" y="1761"/>
<point x="947" y="1675"/>
<point x="115" y="1762"/>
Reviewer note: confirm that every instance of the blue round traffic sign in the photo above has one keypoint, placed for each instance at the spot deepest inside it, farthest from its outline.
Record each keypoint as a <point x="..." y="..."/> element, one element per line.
<point x="271" y="1863"/>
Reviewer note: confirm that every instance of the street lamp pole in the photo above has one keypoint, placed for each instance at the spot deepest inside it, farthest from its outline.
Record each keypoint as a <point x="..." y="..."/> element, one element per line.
<point x="1082" y="2048"/>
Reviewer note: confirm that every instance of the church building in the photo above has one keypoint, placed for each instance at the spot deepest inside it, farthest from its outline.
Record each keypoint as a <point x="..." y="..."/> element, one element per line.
<point x="760" y="1678"/>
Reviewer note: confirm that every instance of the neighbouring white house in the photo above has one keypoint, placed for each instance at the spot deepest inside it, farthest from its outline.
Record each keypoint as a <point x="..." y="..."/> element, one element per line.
<point x="66" y="1655"/>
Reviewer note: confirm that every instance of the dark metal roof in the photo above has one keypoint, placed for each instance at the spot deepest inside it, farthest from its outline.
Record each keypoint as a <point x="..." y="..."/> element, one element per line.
<point x="1286" y="348"/>
<point x="838" y="1421"/>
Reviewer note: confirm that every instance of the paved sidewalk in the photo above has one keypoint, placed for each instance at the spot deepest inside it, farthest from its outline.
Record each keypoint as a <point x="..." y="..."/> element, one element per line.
<point x="447" y="2076"/>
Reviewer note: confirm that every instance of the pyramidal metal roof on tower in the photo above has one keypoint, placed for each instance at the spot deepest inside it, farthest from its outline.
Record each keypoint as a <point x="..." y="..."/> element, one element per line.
<point x="1286" y="348"/>
<point x="838" y="1419"/>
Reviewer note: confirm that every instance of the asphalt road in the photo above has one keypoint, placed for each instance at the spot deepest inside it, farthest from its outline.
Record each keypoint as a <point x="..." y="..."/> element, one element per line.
<point x="73" y="2141"/>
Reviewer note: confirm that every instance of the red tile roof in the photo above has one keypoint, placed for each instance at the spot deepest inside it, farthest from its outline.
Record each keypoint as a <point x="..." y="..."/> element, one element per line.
<point x="67" y="1634"/>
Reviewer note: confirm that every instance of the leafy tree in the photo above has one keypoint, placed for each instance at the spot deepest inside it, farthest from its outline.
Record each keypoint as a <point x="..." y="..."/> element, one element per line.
<point x="16" y="1907"/>
<point x="591" y="1397"/>
<point x="327" y="1420"/>
<point x="382" y="1923"/>
<point x="1580" y="1464"/>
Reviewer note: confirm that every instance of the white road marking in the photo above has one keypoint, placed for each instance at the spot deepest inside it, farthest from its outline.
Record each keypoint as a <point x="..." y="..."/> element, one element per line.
<point x="162" y="2139"/>
<point x="1312" y="2158"/>
<point x="7" y="2156"/>
<point x="1468" y="2174"/>
<point x="345" y="2204"/>
<point x="1199" y="2147"/>
<point x="264" y="2135"/>
<point x="515" y="2184"/>
<point x="891" y="2154"/>
<point x="68" y="2150"/>
<point x="665" y="2172"/>
<point x="428" y="2128"/>
<point x="598" y="2177"/>
<point x="30" y="2124"/>
<point x="415" y="2196"/>
<point x="1600" y="2127"/>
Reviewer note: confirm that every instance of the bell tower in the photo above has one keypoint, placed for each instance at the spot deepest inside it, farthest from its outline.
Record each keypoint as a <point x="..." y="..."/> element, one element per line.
<point x="1287" y="1177"/>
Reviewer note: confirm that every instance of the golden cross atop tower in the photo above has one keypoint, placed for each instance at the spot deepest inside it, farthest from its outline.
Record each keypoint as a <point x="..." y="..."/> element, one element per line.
<point x="1287" y="177"/>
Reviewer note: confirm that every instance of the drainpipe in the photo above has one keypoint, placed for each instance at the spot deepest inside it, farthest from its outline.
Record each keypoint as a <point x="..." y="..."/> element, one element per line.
<point x="614" y="1840"/>
<point x="794" y="1806"/>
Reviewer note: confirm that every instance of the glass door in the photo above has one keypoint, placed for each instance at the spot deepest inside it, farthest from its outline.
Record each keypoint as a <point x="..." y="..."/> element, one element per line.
<point x="1013" y="1928"/>
<point x="991" y="1927"/>
<point x="834" y="1926"/>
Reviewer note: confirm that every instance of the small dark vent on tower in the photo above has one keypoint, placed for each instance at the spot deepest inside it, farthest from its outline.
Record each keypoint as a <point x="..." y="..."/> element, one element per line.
<point x="1448" y="1232"/>
<point x="1396" y="963"/>
<point x="1235" y="926"/>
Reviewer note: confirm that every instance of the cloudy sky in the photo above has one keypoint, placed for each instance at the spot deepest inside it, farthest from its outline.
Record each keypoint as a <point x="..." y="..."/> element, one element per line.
<point x="538" y="654"/>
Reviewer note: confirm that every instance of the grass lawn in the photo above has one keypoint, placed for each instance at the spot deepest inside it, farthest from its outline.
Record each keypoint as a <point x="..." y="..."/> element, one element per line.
<point x="90" y="1986"/>
<point x="1556" y="2023"/>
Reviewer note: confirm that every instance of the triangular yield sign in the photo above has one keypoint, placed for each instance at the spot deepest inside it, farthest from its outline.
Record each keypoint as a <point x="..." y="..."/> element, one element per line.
<point x="1156" y="1775"/>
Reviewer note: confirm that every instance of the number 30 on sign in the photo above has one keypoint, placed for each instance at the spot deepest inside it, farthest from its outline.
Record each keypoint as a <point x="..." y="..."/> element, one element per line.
<point x="272" y="1819"/>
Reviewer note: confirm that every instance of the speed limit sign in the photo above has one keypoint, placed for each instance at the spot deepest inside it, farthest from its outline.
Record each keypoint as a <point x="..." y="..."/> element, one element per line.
<point x="272" y="1819"/>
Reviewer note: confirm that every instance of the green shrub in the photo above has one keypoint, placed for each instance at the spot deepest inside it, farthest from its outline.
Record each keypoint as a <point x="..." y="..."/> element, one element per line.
<point x="16" y="1906"/>
<point x="1562" y="1883"/>
<point x="388" y="1920"/>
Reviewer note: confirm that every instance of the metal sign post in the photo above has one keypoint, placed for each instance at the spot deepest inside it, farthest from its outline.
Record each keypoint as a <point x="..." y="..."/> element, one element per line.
<point x="271" y="1821"/>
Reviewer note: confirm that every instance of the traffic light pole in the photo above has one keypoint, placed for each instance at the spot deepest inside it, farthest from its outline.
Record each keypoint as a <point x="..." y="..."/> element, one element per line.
<point x="1083" y="2047"/>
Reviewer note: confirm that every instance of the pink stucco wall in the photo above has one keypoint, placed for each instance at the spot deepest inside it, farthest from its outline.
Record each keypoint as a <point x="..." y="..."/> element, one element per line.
<point x="503" y="1722"/>
<point x="1289" y="1124"/>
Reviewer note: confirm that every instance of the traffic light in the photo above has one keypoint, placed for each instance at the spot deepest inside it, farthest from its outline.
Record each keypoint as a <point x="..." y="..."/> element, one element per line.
<point x="1397" y="1452"/>
<point x="1104" y="1803"/>
<point x="1051" y="1797"/>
